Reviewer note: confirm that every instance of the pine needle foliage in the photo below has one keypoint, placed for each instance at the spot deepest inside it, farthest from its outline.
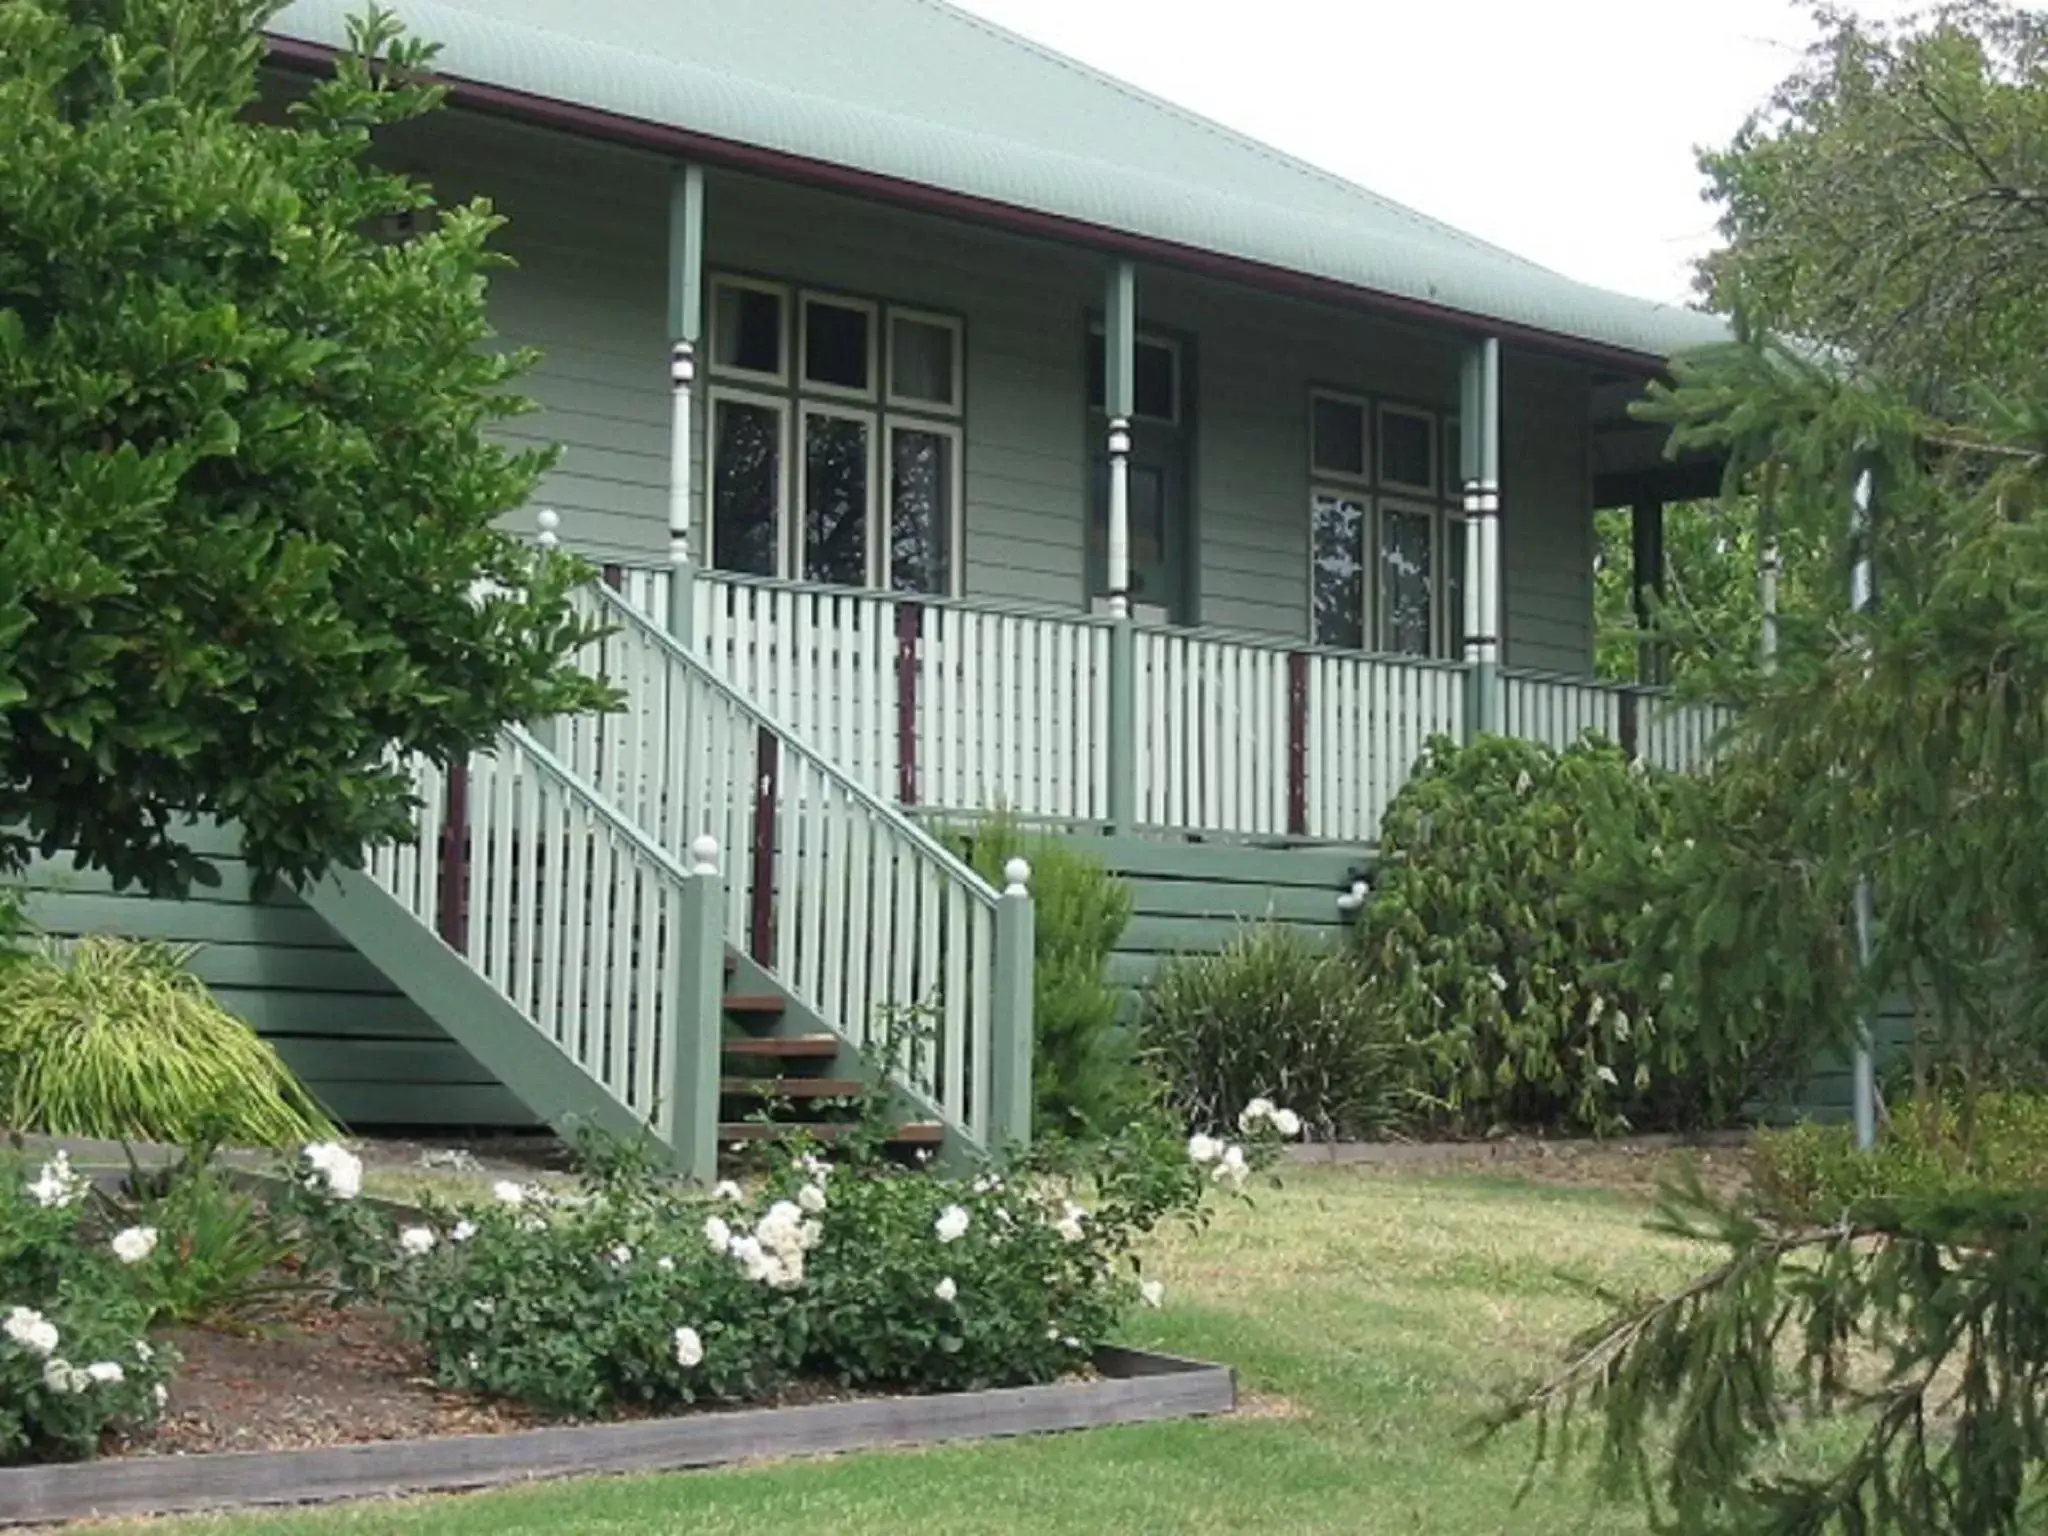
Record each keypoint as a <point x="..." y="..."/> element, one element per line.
<point x="118" y="1039"/>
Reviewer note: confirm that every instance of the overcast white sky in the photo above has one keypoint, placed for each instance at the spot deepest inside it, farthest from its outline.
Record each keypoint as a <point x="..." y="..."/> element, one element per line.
<point x="1562" y="129"/>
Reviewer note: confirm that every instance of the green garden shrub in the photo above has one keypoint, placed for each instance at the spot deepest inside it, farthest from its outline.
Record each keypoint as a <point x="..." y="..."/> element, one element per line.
<point x="1276" y="1015"/>
<point x="118" y="1039"/>
<point x="1934" y="1150"/>
<point x="1501" y="931"/>
<point x="1085" y="1075"/>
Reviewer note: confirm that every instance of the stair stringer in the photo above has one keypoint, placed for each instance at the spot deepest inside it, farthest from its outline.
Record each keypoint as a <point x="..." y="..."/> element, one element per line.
<point x="475" y="1014"/>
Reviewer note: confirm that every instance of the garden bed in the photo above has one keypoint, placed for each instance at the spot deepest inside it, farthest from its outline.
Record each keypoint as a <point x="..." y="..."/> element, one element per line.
<point x="463" y="1444"/>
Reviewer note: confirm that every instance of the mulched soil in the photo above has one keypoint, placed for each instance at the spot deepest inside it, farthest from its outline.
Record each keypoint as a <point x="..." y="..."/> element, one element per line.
<point x="310" y="1376"/>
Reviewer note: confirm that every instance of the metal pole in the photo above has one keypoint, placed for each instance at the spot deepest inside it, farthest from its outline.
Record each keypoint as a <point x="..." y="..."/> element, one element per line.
<point x="1472" y="413"/>
<point x="1863" y="597"/>
<point x="1119" y="349"/>
<point x="1486" y="673"/>
<point x="1769" y="563"/>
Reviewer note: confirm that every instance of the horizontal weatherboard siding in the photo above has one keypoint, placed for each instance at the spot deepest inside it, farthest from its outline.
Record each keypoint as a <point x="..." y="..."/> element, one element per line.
<point x="367" y="1053"/>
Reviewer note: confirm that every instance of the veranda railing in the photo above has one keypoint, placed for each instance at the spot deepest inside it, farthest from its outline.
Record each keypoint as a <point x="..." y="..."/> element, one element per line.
<point x="1645" y="722"/>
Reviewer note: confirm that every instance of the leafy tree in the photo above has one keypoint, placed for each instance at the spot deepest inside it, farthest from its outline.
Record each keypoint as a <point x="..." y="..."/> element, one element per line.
<point x="247" y="486"/>
<point x="1889" y="210"/>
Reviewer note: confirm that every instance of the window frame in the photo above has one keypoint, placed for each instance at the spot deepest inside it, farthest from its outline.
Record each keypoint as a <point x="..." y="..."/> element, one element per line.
<point x="800" y="501"/>
<point x="1321" y="486"/>
<point x="782" y="406"/>
<point x="801" y="380"/>
<point x="1431" y="419"/>
<point x="782" y="294"/>
<point x="1394" y="504"/>
<point x="956" y="330"/>
<point x="1167" y="343"/>
<point x="956" y="520"/>
<point x="1368" y="424"/>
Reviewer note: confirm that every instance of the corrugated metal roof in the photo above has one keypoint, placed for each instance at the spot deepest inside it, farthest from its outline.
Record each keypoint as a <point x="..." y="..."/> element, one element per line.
<point x="919" y="91"/>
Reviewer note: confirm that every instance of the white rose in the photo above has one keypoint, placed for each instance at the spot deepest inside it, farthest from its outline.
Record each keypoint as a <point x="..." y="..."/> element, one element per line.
<point x="1202" y="1149"/>
<point x="1253" y="1113"/>
<point x="952" y="1224"/>
<point x="725" y="1189"/>
<point x="464" y="1231"/>
<point x="106" y="1373"/>
<point x="946" y="1290"/>
<point x="689" y="1348"/>
<point x="415" y="1241"/>
<point x="1287" y="1123"/>
<point x="506" y="1192"/>
<point x="132" y="1245"/>
<point x="811" y="1197"/>
<point x="717" y="1234"/>
<point x="32" y="1331"/>
<point x="1154" y="1293"/>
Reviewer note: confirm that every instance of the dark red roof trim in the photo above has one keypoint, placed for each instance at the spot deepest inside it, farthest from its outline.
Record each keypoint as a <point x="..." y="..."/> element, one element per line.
<point x="596" y="123"/>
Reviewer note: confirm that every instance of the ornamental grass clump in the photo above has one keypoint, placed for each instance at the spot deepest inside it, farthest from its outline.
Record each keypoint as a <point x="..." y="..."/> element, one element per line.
<point x="118" y="1039"/>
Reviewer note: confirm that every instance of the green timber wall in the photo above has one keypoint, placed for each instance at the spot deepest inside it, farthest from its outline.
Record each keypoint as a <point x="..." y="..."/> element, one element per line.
<point x="1189" y="897"/>
<point x="369" y="1054"/>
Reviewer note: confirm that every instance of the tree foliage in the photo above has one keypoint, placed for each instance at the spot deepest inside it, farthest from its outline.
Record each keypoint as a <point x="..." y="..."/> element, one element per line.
<point x="1887" y="212"/>
<point x="247" y="481"/>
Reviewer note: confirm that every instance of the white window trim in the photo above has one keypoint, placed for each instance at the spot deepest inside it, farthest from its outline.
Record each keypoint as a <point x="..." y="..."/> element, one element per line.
<point x="1413" y="413"/>
<point x="1368" y="570"/>
<point x="781" y="293"/>
<point x="722" y="394"/>
<point x="957" y="532"/>
<point x="1408" y="506"/>
<point x="1368" y="426"/>
<point x="952" y="326"/>
<point x="867" y="307"/>
<point x="800" y="461"/>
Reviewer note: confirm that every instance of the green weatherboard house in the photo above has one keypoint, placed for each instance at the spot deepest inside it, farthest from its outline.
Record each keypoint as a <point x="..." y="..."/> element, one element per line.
<point x="957" y="427"/>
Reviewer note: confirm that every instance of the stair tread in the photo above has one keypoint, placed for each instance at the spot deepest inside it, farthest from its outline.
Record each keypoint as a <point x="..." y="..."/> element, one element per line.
<point x="928" y="1133"/>
<point x="740" y="1002"/>
<point x="815" y="1047"/>
<point x="795" y="1087"/>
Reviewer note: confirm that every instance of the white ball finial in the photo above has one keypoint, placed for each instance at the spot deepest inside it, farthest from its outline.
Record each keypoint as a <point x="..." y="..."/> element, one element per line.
<point x="549" y="521"/>
<point x="1016" y="878"/>
<point x="704" y="851"/>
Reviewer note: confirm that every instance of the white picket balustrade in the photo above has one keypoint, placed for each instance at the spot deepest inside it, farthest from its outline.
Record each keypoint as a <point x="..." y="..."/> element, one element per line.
<point x="859" y="912"/>
<point x="1557" y="711"/>
<point x="1212" y="733"/>
<point x="557" y="901"/>
<point x="1368" y="719"/>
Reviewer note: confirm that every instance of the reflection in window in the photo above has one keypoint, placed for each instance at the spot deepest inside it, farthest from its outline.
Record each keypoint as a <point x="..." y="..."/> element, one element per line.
<point x="746" y="490"/>
<point x="1339" y="543"/>
<point x="920" y="511"/>
<point x="835" y="527"/>
<point x="1406" y="582"/>
<point x="921" y="362"/>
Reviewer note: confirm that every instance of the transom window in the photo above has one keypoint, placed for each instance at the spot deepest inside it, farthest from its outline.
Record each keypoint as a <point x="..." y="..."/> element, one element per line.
<point x="1387" y="538"/>
<point x="1155" y="376"/>
<point x="835" y="437"/>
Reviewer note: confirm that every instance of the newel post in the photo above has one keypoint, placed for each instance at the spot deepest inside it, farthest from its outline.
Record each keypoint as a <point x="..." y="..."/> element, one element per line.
<point x="1010" y="1024"/>
<point x="696" y="1015"/>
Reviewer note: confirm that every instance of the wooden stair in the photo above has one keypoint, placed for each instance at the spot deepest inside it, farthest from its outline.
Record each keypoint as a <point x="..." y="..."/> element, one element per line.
<point x="807" y="1080"/>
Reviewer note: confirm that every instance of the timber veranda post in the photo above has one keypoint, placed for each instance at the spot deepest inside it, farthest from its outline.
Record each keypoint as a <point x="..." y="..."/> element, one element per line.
<point x="1479" y="467"/>
<point x="1119" y="350"/>
<point x="685" y="325"/>
<point x="1008" y="1117"/>
<point x="695" y="1015"/>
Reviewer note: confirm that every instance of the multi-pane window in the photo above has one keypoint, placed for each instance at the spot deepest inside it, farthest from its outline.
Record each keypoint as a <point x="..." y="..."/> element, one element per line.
<point x="835" y="438"/>
<point x="1387" y="542"/>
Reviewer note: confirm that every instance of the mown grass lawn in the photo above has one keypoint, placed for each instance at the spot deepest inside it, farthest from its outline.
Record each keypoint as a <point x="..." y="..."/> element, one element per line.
<point x="1370" y="1315"/>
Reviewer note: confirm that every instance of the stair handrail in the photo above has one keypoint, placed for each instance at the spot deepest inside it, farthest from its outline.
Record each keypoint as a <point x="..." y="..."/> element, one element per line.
<point x="957" y="868"/>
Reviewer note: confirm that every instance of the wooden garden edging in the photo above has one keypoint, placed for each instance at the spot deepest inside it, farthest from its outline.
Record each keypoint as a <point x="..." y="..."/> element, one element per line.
<point x="1135" y="1388"/>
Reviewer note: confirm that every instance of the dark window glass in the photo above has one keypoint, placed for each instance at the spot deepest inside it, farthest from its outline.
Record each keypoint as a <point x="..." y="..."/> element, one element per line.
<point x="1155" y="387"/>
<point x="920" y="511"/>
<point x="1407" y="449"/>
<point x="835" y="501"/>
<point x="837" y="340"/>
<point x="1339" y="436"/>
<point x="1406" y="583"/>
<point x="1339" y="536"/>
<point x="1155" y="382"/>
<point x="921" y="362"/>
<point x="749" y="329"/>
<point x="746" y="489"/>
<point x="1454" y="587"/>
<point x="1454" y="470"/>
